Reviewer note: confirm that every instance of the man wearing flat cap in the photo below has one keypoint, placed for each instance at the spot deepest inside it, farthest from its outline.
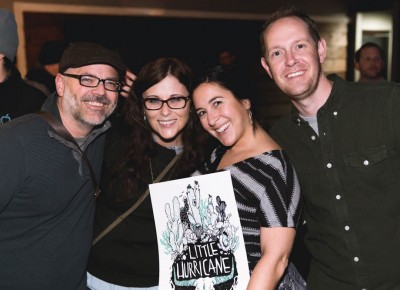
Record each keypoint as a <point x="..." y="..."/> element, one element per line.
<point x="49" y="167"/>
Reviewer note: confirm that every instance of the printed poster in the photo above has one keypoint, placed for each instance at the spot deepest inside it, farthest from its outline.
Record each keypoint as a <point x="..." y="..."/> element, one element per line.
<point x="200" y="240"/>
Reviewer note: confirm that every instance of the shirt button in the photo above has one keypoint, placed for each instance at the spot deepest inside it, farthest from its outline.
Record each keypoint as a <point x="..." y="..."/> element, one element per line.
<point x="335" y="113"/>
<point x="356" y="259"/>
<point x="329" y="165"/>
<point x="347" y="228"/>
<point x="313" y="137"/>
<point x="338" y="197"/>
<point x="366" y="162"/>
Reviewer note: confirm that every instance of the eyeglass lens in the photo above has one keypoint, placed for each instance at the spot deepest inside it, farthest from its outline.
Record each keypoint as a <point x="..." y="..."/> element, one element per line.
<point x="172" y="103"/>
<point x="91" y="81"/>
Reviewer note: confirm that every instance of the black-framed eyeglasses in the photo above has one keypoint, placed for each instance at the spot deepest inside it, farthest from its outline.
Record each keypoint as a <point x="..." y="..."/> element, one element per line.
<point x="153" y="103"/>
<point x="92" y="82"/>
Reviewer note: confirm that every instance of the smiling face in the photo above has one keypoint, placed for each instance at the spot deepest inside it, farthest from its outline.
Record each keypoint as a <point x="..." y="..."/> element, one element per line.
<point x="293" y="59"/>
<point x="81" y="108"/>
<point x="222" y="115"/>
<point x="167" y="123"/>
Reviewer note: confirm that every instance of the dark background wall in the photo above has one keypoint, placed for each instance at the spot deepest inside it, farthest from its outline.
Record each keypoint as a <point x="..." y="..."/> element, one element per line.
<point x="195" y="31"/>
<point x="140" y="39"/>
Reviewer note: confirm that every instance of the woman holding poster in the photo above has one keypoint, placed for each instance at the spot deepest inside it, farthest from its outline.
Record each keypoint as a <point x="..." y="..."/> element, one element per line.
<point x="156" y="126"/>
<point x="266" y="188"/>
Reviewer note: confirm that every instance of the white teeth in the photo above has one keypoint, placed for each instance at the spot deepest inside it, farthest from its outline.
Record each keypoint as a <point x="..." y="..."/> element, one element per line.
<point x="223" y="127"/>
<point x="295" y="74"/>
<point x="96" y="104"/>
<point x="167" y="122"/>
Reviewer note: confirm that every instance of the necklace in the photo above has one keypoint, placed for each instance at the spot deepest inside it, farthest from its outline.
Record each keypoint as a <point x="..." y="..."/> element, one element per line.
<point x="170" y="174"/>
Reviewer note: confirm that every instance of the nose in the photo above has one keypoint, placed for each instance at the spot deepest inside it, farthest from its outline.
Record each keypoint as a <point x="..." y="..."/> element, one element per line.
<point x="165" y="110"/>
<point x="212" y="119"/>
<point x="100" y="89"/>
<point x="291" y="59"/>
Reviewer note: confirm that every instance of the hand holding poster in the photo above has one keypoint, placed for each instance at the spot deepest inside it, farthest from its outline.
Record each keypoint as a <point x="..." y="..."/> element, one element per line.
<point x="200" y="241"/>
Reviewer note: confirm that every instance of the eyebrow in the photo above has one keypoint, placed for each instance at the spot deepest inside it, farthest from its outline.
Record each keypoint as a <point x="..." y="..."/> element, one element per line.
<point x="279" y="46"/>
<point x="210" y="101"/>
<point x="213" y="99"/>
<point x="115" y="79"/>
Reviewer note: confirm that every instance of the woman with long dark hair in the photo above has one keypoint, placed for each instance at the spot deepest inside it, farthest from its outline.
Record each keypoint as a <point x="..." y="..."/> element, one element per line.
<point x="265" y="183"/>
<point x="157" y="124"/>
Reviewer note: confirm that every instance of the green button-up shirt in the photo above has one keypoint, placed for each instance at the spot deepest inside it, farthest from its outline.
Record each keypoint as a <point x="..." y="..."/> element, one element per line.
<point x="350" y="177"/>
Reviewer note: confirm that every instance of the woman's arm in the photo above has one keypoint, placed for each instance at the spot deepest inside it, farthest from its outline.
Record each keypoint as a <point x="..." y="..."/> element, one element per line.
<point x="276" y="244"/>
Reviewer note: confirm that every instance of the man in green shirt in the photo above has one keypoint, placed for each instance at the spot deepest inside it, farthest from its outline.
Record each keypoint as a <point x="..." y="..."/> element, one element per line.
<point x="344" y="140"/>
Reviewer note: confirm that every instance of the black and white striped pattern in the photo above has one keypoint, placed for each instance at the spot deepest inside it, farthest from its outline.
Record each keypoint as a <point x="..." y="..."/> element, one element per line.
<point x="267" y="193"/>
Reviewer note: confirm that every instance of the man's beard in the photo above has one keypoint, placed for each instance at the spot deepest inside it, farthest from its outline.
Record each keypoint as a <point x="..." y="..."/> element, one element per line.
<point x="312" y="85"/>
<point x="81" y="113"/>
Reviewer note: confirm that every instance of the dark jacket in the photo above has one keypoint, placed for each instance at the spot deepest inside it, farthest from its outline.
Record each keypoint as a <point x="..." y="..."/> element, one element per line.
<point x="46" y="204"/>
<point x="18" y="98"/>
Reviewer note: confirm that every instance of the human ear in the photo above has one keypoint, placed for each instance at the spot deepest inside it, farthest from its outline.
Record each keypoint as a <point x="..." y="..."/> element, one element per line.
<point x="266" y="67"/>
<point x="59" y="84"/>
<point x="246" y="103"/>
<point x="322" y="50"/>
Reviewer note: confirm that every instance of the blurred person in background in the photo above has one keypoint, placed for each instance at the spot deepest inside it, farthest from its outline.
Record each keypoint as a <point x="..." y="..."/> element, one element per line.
<point x="16" y="96"/>
<point x="45" y="71"/>
<point x="368" y="60"/>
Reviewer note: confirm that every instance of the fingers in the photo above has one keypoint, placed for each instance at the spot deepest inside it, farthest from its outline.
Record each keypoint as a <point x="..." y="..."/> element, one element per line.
<point x="130" y="75"/>
<point x="126" y="87"/>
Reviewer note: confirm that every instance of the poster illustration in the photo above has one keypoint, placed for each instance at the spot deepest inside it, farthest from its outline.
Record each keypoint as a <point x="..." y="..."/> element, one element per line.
<point x="200" y="240"/>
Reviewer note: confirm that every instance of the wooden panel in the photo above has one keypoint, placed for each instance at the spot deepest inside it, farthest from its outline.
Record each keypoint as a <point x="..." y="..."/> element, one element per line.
<point x="39" y="28"/>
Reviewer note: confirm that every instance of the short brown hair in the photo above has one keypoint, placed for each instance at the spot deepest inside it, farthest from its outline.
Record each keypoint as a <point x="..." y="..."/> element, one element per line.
<point x="289" y="11"/>
<point x="357" y="55"/>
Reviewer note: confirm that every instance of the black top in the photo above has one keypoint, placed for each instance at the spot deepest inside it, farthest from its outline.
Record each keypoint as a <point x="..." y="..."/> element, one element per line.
<point x="349" y="176"/>
<point x="267" y="193"/>
<point x="17" y="98"/>
<point x="128" y="255"/>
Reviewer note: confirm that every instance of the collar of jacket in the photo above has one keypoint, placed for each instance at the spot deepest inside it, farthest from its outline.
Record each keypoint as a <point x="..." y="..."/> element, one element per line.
<point x="50" y="105"/>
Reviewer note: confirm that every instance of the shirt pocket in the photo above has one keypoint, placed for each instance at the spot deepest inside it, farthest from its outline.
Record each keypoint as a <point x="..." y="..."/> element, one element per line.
<point x="366" y="158"/>
<point x="368" y="171"/>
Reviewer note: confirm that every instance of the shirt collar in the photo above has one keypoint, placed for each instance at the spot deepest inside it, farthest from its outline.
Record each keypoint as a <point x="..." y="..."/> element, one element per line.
<point x="50" y="105"/>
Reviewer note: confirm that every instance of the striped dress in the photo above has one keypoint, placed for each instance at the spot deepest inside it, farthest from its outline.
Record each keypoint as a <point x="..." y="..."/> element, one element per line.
<point x="267" y="194"/>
